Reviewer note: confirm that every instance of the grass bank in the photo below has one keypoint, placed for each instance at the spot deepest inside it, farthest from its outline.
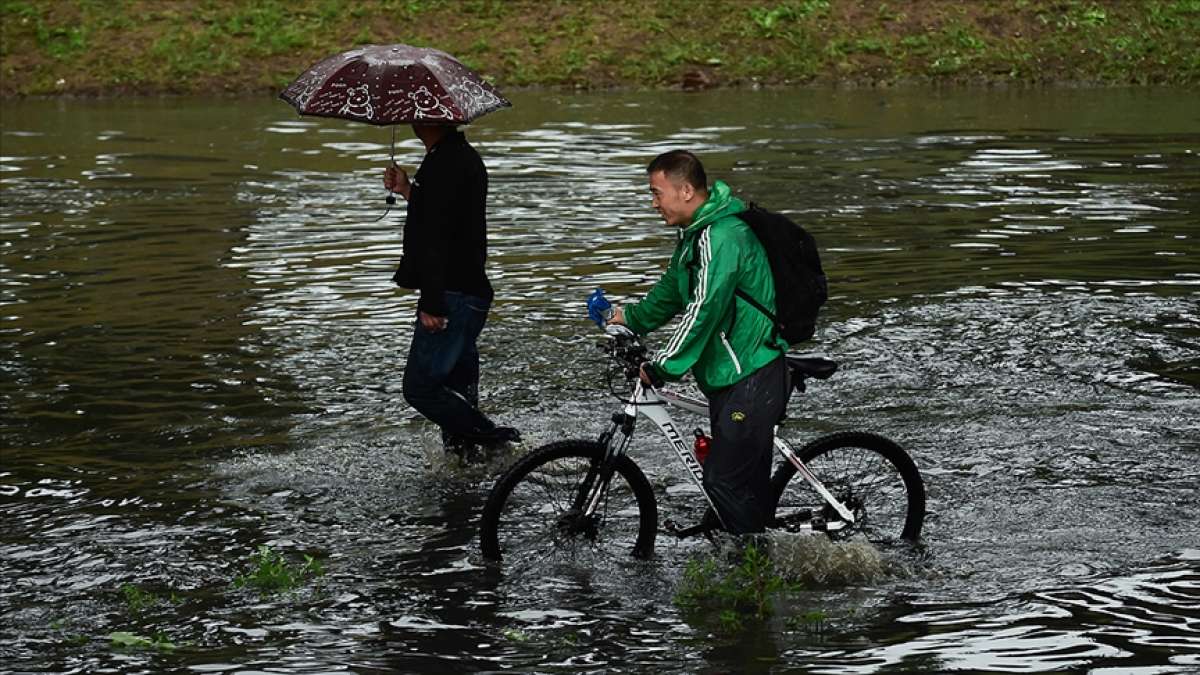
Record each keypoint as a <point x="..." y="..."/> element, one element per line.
<point x="101" y="47"/>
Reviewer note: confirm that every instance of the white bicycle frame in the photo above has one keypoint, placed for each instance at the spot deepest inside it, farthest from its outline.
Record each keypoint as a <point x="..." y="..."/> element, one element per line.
<point x="652" y="404"/>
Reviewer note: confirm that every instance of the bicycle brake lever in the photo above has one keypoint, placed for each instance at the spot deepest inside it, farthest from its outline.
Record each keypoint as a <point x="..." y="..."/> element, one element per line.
<point x="617" y="330"/>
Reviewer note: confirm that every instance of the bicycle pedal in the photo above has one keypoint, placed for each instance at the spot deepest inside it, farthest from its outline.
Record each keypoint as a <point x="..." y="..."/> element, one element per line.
<point x="691" y="530"/>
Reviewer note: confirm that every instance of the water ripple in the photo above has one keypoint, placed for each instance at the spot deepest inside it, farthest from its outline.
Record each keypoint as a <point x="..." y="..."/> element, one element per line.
<point x="201" y="349"/>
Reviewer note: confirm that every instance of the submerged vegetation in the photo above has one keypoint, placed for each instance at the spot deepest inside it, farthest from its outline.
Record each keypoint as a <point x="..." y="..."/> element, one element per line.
<point x="271" y="571"/>
<point x="138" y="599"/>
<point x="129" y="640"/>
<point x="727" y="591"/>
<point x="243" y="46"/>
<point x="731" y="592"/>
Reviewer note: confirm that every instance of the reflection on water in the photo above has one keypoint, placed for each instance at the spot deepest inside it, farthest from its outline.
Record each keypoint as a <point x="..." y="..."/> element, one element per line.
<point x="200" y="352"/>
<point x="1150" y="613"/>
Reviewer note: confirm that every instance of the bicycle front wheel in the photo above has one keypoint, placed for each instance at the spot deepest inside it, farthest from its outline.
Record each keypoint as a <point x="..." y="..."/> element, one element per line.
<point x="869" y="474"/>
<point x="537" y="513"/>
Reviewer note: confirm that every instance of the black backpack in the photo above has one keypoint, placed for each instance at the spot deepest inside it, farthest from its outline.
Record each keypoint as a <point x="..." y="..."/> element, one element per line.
<point x="800" y="285"/>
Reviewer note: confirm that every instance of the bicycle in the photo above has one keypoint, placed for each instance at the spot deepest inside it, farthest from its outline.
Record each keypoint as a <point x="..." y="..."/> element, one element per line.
<point x="588" y="496"/>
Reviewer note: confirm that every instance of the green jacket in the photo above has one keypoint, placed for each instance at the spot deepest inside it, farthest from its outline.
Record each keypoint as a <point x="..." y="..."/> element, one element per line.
<point x="721" y="338"/>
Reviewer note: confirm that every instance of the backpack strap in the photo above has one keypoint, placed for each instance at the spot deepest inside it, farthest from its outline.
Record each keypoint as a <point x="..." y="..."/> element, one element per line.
<point x="756" y="305"/>
<point x="733" y="310"/>
<point x="743" y="294"/>
<point x="774" y="341"/>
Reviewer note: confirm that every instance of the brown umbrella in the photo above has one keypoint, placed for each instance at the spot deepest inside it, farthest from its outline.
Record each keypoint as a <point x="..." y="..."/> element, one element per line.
<point x="393" y="84"/>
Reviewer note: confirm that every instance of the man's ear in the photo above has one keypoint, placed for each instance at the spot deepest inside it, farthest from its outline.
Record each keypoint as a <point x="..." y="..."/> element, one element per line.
<point x="688" y="192"/>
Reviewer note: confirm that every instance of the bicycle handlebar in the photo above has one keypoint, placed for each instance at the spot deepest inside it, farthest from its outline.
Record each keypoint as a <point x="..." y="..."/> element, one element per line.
<point x="625" y="347"/>
<point x="619" y="330"/>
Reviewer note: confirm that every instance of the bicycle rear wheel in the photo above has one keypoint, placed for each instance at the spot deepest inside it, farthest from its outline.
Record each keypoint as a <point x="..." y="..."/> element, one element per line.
<point x="871" y="475"/>
<point x="534" y="513"/>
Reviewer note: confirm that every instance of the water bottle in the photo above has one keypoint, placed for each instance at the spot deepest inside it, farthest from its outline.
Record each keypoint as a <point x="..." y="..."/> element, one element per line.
<point x="701" y="445"/>
<point x="600" y="310"/>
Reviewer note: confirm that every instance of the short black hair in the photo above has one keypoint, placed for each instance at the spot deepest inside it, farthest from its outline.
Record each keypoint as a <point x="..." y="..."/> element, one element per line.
<point x="680" y="165"/>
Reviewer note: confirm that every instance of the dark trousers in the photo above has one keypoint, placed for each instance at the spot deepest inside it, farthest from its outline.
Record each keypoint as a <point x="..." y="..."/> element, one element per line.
<point x="737" y="472"/>
<point x="441" y="378"/>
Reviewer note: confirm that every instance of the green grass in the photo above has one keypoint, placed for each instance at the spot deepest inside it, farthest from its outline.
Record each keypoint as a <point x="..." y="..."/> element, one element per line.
<point x="138" y="599"/>
<point x="150" y="46"/>
<point x="270" y="29"/>
<point x="733" y="593"/>
<point x="127" y="640"/>
<point x="271" y="572"/>
<point x="809" y="622"/>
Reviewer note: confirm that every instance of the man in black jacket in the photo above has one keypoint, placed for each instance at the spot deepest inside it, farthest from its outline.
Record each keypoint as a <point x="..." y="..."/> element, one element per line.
<point x="445" y="246"/>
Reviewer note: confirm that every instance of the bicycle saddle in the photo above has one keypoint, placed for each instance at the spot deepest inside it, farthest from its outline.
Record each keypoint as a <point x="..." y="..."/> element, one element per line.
<point x="811" y="366"/>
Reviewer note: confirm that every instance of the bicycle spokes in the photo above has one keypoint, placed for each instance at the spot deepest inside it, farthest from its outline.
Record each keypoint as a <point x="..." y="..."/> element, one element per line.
<point x="558" y="505"/>
<point x="870" y="477"/>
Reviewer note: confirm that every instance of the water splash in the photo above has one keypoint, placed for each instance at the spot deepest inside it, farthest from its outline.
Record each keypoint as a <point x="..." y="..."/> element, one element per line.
<point x="818" y="560"/>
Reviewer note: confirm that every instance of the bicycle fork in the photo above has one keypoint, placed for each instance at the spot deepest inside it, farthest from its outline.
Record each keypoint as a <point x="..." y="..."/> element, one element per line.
<point x="594" y="488"/>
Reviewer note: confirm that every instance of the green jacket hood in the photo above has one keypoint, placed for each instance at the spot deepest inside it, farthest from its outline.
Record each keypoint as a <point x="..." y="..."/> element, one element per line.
<point x="720" y="203"/>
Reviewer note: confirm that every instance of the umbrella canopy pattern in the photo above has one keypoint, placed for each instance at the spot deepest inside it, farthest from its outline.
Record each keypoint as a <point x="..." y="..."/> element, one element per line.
<point x="393" y="84"/>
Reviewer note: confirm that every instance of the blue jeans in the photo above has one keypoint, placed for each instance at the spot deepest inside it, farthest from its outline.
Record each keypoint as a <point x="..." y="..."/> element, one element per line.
<point x="441" y="378"/>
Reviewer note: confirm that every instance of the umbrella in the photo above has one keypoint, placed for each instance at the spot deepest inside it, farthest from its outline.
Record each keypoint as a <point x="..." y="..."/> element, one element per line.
<point x="393" y="84"/>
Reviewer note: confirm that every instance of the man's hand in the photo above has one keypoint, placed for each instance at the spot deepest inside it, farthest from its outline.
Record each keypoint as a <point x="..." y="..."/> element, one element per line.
<point x="395" y="179"/>
<point x="648" y="376"/>
<point x="431" y="323"/>
<point x="618" y="316"/>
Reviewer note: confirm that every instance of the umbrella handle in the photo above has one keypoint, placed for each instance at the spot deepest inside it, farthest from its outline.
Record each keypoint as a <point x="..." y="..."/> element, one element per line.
<point x="391" y="196"/>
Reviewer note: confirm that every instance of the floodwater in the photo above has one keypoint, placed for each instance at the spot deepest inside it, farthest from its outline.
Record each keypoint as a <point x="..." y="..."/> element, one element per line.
<point x="201" y="351"/>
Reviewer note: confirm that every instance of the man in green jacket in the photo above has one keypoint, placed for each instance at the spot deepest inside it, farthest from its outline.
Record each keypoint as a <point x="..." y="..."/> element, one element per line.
<point x="730" y="348"/>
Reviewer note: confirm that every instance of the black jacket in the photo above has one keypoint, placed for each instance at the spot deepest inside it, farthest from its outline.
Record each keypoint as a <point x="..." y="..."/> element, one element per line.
<point x="445" y="231"/>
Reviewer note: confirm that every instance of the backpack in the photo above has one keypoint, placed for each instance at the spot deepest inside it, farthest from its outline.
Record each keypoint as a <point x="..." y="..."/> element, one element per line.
<point x="800" y="285"/>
